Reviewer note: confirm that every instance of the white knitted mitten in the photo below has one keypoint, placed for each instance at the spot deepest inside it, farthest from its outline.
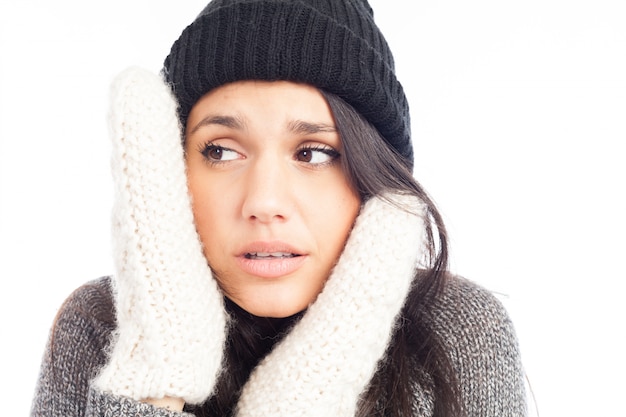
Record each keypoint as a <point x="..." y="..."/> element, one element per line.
<point x="325" y="362"/>
<point x="170" y="317"/>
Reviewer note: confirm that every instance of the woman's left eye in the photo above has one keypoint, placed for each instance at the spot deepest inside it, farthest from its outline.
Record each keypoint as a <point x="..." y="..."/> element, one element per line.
<point x="317" y="155"/>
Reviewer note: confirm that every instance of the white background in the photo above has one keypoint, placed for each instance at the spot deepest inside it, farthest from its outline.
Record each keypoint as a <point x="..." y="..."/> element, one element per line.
<point x="518" y="120"/>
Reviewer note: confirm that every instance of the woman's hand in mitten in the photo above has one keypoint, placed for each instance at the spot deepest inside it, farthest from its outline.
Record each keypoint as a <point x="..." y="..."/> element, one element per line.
<point x="170" y="317"/>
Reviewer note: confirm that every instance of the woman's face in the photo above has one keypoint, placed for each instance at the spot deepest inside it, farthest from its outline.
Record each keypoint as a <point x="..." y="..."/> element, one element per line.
<point x="271" y="203"/>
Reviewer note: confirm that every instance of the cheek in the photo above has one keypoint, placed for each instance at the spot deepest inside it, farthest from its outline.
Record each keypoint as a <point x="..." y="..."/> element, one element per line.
<point x="206" y="210"/>
<point x="349" y="211"/>
<point x="335" y="213"/>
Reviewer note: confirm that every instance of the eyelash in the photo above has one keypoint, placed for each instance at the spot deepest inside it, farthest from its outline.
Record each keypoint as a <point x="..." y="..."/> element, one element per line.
<point x="332" y="153"/>
<point x="207" y="147"/>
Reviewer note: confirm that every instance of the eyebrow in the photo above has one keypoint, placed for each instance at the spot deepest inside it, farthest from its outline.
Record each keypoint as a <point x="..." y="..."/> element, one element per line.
<point x="307" y="128"/>
<point x="227" y="121"/>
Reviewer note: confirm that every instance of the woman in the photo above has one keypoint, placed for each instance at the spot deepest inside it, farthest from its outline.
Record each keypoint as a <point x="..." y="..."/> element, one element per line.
<point x="274" y="254"/>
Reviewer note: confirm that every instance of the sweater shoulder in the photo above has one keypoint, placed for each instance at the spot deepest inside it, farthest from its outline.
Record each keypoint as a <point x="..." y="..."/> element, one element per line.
<point x="86" y="318"/>
<point x="75" y="351"/>
<point x="464" y="302"/>
<point x="92" y="300"/>
<point x="476" y="330"/>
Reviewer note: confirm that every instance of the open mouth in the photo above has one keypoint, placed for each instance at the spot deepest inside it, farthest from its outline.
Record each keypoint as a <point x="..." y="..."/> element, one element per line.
<point x="269" y="255"/>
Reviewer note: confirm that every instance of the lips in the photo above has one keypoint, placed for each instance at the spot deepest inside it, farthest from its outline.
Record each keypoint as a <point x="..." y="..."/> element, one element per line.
<point x="268" y="255"/>
<point x="270" y="259"/>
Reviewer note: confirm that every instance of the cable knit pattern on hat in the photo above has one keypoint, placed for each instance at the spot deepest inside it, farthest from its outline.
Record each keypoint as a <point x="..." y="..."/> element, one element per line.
<point x="325" y="362"/>
<point x="170" y="316"/>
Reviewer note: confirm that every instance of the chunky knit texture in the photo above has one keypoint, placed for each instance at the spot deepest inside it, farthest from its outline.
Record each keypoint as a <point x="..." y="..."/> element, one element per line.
<point x="472" y="324"/>
<point x="333" y="45"/>
<point x="170" y="316"/>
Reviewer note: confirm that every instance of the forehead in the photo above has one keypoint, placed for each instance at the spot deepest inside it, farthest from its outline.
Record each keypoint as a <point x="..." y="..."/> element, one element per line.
<point x="243" y="103"/>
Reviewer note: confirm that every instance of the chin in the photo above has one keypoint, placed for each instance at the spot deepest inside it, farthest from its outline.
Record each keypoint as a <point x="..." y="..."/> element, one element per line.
<point x="273" y="311"/>
<point x="274" y="307"/>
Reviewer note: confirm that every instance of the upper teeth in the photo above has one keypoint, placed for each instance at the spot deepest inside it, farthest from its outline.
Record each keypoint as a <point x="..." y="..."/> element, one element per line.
<point x="270" y="254"/>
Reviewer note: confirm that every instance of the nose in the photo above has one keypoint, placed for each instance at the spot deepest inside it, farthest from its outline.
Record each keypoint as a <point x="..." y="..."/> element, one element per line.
<point x="268" y="192"/>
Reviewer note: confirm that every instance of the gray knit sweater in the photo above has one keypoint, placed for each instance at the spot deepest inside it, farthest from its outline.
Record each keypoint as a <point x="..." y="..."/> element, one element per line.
<point x="474" y="326"/>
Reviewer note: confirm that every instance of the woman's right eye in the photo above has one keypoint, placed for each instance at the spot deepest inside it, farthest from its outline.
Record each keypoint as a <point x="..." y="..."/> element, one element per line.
<point x="215" y="153"/>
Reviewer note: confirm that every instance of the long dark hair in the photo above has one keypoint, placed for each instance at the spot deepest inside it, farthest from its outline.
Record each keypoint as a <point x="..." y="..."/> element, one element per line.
<point x="415" y="356"/>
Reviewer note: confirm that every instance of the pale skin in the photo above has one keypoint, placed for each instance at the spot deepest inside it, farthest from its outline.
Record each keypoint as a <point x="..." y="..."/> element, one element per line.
<point x="271" y="203"/>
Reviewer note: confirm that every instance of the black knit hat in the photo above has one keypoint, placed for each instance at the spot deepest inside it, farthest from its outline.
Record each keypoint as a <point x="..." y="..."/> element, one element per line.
<point x="331" y="44"/>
